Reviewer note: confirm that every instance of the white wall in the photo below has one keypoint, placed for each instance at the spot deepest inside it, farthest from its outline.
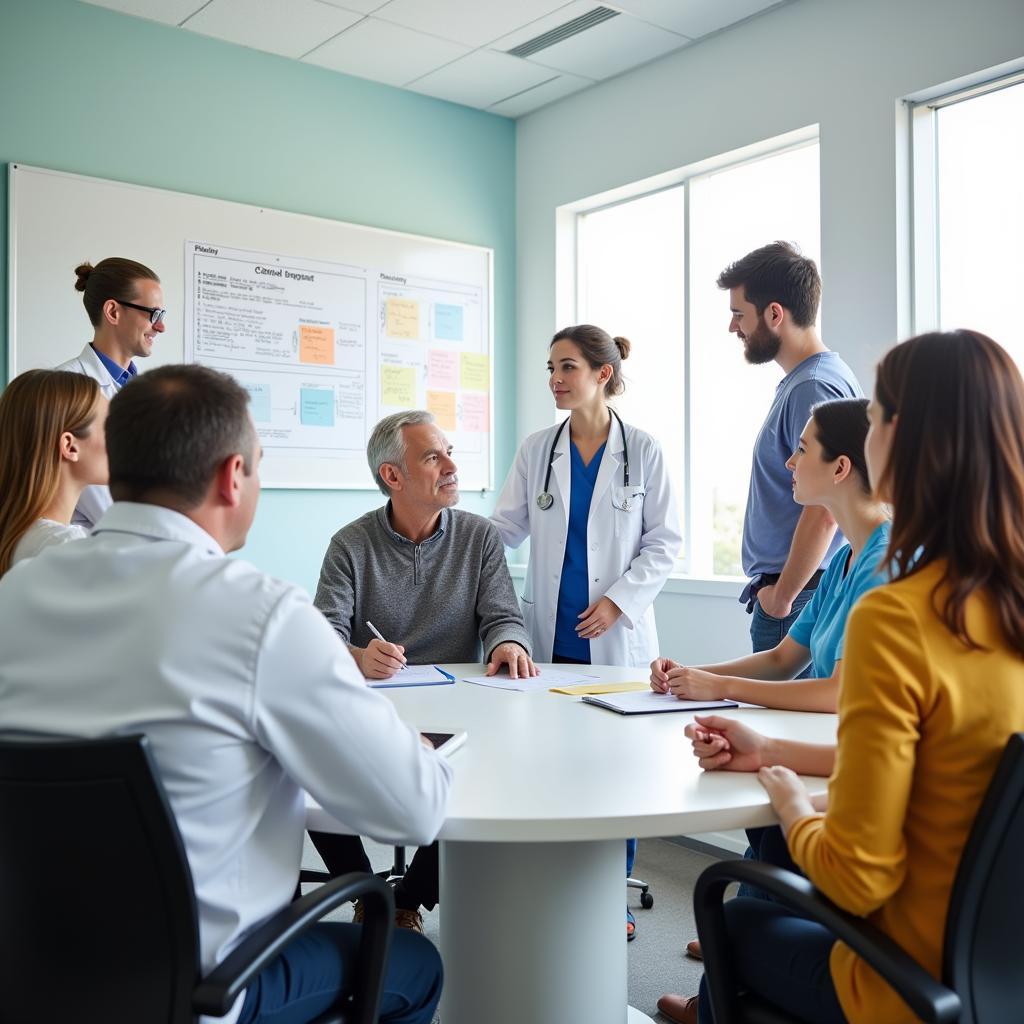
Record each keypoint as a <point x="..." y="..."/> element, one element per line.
<point x="842" y="64"/>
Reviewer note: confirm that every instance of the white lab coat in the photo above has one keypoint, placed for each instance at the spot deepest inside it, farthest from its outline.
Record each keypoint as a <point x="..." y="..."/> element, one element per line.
<point x="95" y="499"/>
<point x="630" y="553"/>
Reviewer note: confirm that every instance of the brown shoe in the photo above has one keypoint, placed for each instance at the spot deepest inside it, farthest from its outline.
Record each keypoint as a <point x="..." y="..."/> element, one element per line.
<point x="411" y="919"/>
<point x="693" y="949"/>
<point x="678" y="1009"/>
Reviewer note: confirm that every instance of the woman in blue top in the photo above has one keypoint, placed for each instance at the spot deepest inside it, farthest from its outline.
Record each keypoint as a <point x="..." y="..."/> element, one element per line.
<point x="828" y="469"/>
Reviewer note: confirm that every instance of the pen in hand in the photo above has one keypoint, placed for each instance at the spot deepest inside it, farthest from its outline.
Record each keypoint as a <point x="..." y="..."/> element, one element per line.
<point x="377" y="633"/>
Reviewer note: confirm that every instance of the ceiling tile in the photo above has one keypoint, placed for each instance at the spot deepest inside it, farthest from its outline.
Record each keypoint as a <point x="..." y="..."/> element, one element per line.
<point x="694" y="18"/>
<point x="385" y="52"/>
<point x="288" y="27"/>
<point x="472" y="22"/>
<point x="608" y="48"/>
<point x="481" y="78"/>
<point x="170" y="12"/>
<point x="539" y="96"/>
<point x="359" y="6"/>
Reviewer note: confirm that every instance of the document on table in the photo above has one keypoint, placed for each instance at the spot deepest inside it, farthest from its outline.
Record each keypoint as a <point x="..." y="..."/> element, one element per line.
<point x="414" y="675"/>
<point x="596" y="687"/>
<point x="650" y="703"/>
<point x="548" y="678"/>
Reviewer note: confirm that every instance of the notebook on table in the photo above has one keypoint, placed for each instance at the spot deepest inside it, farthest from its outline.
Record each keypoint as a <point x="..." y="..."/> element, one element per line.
<point x="650" y="703"/>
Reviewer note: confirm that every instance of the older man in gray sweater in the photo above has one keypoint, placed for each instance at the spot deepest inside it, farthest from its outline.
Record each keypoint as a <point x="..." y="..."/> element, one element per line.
<point x="434" y="582"/>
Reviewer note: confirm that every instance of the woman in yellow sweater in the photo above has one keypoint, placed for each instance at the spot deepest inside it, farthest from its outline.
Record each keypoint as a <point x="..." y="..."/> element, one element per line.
<point x="932" y="686"/>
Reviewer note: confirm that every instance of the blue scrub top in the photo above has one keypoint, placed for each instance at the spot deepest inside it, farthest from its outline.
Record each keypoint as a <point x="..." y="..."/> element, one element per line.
<point x="574" y="590"/>
<point x="821" y="626"/>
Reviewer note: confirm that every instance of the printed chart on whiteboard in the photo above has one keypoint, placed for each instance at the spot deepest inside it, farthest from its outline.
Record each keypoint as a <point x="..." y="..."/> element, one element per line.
<point x="325" y="350"/>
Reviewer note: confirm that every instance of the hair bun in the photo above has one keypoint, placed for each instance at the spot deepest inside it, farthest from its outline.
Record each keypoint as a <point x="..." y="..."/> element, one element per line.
<point x="624" y="346"/>
<point x="82" y="272"/>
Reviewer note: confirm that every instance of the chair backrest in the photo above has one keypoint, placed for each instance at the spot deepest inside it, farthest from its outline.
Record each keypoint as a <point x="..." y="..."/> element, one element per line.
<point x="97" y="913"/>
<point x="981" y="958"/>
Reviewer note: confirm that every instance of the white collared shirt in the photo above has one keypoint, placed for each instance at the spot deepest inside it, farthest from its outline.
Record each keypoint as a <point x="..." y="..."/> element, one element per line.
<point x="246" y="694"/>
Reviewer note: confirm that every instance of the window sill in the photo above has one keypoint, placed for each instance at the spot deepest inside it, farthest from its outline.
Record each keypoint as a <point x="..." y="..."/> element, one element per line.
<point x="680" y="583"/>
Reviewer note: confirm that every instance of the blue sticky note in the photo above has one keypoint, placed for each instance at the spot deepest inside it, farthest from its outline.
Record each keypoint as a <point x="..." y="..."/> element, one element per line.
<point x="316" y="407"/>
<point x="447" y="322"/>
<point x="259" y="402"/>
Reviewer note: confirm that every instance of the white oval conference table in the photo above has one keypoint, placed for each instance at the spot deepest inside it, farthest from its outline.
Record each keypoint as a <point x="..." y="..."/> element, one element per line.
<point x="546" y="789"/>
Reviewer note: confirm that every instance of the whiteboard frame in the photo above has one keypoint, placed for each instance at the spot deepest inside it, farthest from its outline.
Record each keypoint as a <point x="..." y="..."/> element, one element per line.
<point x="18" y="170"/>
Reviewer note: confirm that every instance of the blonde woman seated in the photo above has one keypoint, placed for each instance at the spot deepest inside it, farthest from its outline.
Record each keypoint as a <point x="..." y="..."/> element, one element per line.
<point x="51" y="447"/>
<point x="828" y="469"/>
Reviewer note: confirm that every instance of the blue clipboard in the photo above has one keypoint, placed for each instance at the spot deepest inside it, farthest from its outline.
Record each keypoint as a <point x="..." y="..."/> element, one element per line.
<point x="409" y="677"/>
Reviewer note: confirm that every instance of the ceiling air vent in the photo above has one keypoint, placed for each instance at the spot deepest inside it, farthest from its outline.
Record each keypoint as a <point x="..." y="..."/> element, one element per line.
<point x="563" y="32"/>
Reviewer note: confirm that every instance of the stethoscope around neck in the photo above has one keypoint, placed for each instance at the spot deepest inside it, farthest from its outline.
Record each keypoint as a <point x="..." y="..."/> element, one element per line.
<point x="545" y="499"/>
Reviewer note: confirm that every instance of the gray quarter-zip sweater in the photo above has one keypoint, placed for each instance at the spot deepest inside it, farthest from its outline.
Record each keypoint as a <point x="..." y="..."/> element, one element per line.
<point x="442" y="599"/>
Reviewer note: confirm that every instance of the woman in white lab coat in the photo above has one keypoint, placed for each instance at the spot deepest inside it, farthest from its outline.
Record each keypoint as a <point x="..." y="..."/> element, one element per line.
<point x="593" y="496"/>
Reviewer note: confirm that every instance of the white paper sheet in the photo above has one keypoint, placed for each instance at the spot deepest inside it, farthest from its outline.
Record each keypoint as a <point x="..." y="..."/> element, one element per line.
<point x="548" y="677"/>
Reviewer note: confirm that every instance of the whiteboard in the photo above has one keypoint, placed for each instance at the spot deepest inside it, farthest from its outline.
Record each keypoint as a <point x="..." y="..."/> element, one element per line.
<point x="329" y="325"/>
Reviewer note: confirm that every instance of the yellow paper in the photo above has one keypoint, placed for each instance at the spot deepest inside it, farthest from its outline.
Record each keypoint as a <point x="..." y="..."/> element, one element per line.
<point x="442" y="405"/>
<point x="476" y="372"/>
<point x="403" y="318"/>
<point x="316" y="344"/>
<point x="592" y="688"/>
<point x="398" y="386"/>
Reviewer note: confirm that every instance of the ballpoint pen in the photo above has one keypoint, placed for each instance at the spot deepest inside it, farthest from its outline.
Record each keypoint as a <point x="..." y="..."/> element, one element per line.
<point x="376" y="632"/>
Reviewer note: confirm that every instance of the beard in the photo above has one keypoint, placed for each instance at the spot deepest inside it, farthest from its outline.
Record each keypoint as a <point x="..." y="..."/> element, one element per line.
<point x="762" y="346"/>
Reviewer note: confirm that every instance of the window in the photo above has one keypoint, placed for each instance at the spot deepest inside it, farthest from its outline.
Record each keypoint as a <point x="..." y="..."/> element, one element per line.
<point x="646" y="268"/>
<point x="969" y="211"/>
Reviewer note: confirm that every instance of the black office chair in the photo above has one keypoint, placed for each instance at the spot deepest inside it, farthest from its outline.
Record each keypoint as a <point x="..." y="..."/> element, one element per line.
<point x="97" y="913"/>
<point x="982" y="982"/>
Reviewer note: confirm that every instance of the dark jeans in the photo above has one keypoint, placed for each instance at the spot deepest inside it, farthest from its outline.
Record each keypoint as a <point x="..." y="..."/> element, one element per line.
<point x="317" y="969"/>
<point x="781" y="957"/>
<point x="417" y="887"/>
<point x="769" y="845"/>
<point x="767" y="632"/>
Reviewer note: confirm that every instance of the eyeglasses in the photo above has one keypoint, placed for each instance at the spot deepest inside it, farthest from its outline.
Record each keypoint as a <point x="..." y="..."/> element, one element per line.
<point x="156" y="314"/>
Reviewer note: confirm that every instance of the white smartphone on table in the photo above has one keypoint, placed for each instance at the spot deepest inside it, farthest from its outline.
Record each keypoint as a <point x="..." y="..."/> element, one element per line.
<point x="445" y="743"/>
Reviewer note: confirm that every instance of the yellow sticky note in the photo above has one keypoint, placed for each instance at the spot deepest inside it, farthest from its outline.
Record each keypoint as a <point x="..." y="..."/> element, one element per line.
<point x="403" y="318"/>
<point x="398" y="386"/>
<point x="592" y="688"/>
<point x="442" y="405"/>
<point x="316" y="344"/>
<point x="475" y="372"/>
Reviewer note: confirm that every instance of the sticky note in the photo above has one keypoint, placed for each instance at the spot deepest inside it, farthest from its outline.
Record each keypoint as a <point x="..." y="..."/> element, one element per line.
<point x="398" y="386"/>
<point x="475" y="413"/>
<point x="316" y="407"/>
<point x="442" y="405"/>
<point x="442" y="369"/>
<point x="402" y="318"/>
<point x="447" y="322"/>
<point x="259" y="402"/>
<point x="476" y="371"/>
<point x="316" y="344"/>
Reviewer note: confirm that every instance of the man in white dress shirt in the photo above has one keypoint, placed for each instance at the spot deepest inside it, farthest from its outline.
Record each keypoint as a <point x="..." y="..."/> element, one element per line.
<point x="245" y="692"/>
<point x="124" y="302"/>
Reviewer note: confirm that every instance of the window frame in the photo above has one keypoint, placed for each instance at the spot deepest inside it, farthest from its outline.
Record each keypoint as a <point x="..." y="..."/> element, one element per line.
<point x="925" y="287"/>
<point x="569" y="240"/>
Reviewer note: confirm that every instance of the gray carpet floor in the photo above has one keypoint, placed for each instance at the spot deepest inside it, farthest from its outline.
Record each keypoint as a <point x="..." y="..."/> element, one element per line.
<point x="657" y="962"/>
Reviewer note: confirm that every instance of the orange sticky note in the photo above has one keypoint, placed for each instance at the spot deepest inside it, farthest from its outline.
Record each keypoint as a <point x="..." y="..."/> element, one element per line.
<point x="442" y="405"/>
<point x="316" y="345"/>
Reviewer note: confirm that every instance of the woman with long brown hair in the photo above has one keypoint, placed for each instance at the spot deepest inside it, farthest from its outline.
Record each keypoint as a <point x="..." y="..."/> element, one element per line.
<point x="51" y="447"/>
<point x="932" y="687"/>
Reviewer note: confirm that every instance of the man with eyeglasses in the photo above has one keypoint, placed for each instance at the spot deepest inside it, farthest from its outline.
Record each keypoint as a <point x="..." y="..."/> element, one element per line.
<point x="124" y="301"/>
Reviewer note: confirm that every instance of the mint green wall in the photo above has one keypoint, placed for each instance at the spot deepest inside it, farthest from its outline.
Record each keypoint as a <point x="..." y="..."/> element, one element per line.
<point x="87" y="90"/>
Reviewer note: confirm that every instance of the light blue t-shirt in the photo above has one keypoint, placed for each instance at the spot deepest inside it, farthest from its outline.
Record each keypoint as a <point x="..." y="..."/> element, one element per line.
<point x="821" y="626"/>
<point x="771" y="514"/>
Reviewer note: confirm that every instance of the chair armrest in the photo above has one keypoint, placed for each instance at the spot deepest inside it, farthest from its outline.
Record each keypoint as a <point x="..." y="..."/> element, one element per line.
<point x="929" y="999"/>
<point x="217" y="992"/>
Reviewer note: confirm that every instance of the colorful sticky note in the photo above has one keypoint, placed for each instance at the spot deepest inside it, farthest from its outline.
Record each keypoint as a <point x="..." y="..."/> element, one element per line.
<point x="442" y="405"/>
<point x="476" y="372"/>
<point x="316" y="407"/>
<point x="316" y="344"/>
<point x="402" y="318"/>
<point x="443" y="368"/>
<point x="447" y="322"/>
<point x="259" y="402"/>
<point x="475" y="414"/>
<point x="398" y="386"/>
